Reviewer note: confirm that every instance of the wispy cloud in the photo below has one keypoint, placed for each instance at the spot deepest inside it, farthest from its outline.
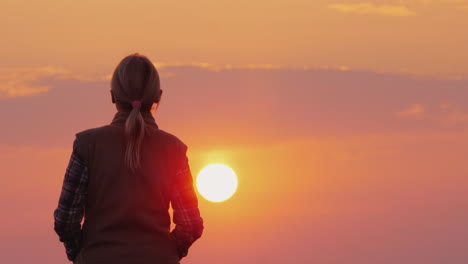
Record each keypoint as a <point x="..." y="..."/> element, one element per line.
<point x="445" y="114"/>
<point x="370" y="8"/>
<point x="414" y="110"/>
<point x="218" y="67"/>
<point x="19" y="82"/>
<point x="16" y="88"/>
<point x="24" y="82"/>
<point x="166" y="68"/>
<point x="313" y="103"/>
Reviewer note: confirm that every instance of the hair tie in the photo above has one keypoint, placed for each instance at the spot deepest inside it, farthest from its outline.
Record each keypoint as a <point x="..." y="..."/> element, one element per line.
<point x="136" y="104"/>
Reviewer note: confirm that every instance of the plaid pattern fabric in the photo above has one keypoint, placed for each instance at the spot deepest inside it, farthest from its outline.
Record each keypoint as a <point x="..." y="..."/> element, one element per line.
<point x="69" y="213"/>
<point x="187" y="220"/>
<point x="70" y="210"/>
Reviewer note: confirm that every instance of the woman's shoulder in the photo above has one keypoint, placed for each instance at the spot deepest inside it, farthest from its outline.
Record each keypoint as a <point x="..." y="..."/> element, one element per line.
<point x="172" y="138"/>
<point x="104" y="132"/>
<point x="91" y="131"/>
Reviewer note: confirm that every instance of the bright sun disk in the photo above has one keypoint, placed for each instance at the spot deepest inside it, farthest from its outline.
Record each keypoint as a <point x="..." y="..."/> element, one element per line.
<point x="217" y="182"/>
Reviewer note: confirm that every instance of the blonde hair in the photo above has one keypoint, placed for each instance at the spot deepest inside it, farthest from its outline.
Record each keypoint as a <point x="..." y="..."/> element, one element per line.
<point x="135" y="79"/>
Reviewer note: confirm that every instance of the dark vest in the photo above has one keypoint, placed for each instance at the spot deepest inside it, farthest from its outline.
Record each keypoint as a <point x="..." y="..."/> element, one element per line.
<point x="126" y="214"/>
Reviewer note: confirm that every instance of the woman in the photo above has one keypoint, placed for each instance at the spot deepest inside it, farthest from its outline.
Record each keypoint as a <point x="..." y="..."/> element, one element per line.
<point x="122" y="177"/>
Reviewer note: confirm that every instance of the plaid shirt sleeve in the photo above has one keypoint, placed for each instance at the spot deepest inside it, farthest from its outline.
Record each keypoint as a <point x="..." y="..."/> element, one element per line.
<point x="187" y="220"/>
<point x="70" y="209"/>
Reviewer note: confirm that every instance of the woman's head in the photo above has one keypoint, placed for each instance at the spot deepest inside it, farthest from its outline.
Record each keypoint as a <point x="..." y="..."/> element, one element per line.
<point x="135" y="79"/>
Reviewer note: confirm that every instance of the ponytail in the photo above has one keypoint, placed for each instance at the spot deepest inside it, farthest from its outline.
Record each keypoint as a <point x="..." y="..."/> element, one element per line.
<point x="135" y="78"/>
<point x="134" y="133"/>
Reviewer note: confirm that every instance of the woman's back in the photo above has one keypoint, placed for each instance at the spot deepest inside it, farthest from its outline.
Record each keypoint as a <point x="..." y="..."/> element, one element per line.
<point x="128" y="210"/>
<point x="123" y="183"/>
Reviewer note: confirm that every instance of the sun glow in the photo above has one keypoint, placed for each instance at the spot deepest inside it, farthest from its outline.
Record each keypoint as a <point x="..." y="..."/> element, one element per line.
<point x="216" y="182"/>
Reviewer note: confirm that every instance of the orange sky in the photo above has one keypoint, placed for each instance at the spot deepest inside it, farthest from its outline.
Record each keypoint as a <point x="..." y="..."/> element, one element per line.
<point x="345" y="121"/>
<point x="417" y="36"/>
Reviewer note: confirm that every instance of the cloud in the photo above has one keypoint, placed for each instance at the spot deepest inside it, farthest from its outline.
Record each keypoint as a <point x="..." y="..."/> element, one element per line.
<point x="414" y="110"/>
<point x="20" y="82"/>
<point x="220" y="67"/>
<point x="168" y="69"/>
<point x="444" y="114"/>
<point x="249" y="106"/>
<point x="450" y="116"/>
<point x="217" y="67"/>
<point x="12" y="88"/>
<point x="24" y="82"/>
<point x="452" y="4"/>
<point x="165" y="67"/>
<point x="444" y="106"/>
<point x="370" y="8"/>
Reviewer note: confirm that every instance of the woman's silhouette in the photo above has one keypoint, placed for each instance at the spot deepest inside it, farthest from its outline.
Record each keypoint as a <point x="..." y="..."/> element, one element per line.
<point x="123" y="176"/>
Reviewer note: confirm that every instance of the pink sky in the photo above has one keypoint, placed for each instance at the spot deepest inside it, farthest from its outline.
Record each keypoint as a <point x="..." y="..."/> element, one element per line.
<point x="333" y="165"/>
<point x="346" y="122"/>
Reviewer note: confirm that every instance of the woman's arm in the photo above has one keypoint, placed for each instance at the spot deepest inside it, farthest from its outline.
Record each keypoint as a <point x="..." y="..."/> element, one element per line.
<point x="188" y="223"/>
<point x="70" y="209"/>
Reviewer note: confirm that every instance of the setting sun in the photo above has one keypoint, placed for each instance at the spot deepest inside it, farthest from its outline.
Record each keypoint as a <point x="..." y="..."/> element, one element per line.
<point x="217" y="182"/>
